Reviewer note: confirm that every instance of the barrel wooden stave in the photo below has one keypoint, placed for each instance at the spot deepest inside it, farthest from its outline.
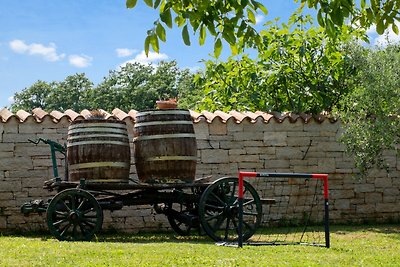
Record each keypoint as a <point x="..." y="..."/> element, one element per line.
<point x="98" y="150"/>
<point x="165" y="146"/>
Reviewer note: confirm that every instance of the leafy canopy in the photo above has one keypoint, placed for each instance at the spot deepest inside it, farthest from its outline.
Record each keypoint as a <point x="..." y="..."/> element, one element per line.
<point x="371" y="113"/>
<point x="133" y="86"/>
<point x="234" y="20"/>
<point x="299" y="69"/>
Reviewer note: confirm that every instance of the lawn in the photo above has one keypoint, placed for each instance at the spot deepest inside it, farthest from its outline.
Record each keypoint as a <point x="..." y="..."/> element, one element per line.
<point x="350" y="246"/>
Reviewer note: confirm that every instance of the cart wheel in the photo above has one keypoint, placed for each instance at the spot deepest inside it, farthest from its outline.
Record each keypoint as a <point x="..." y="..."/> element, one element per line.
<point x="218" y="210"/>
<point x="74" y="215"/>
<point x="183" y="219"/>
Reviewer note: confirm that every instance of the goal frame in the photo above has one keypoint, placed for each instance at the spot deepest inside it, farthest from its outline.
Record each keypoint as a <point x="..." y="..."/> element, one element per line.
<point x="323" y="177"/>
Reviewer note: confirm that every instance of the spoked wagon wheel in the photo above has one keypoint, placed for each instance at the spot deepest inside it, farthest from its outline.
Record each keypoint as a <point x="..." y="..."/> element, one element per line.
<point x="74" y="215"/>
<point x="218" y="210"/>
<point x="183" y="219"/>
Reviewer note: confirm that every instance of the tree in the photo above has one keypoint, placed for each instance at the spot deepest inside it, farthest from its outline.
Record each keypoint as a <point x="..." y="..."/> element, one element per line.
<point x="70" y="93"/>
<point x="133" y="86"/>
<point x="35" y="96"/>
<point x="371" y="112"/>
<point x="233" y="20"/>
<point x="299" y="70"/>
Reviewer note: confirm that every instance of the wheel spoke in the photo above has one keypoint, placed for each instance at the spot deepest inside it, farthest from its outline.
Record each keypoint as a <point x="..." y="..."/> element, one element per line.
<point x="218" y="210"/>
<point x="74" y="214"/>
<point x="60" y="222"/>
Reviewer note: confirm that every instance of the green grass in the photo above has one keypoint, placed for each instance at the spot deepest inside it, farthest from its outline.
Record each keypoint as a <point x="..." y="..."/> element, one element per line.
<point x="350" y="246"/>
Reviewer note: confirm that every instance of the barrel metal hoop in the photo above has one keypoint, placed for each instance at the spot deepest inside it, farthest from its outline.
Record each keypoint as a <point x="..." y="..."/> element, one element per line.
<point x="98" y="136"/>
<point x="163" y="112"/>
<point x="98" y="142"/>
<point x="97" y="129"/>
<point x="162" y="136"/>
<point x="153" y="123"/>
<point x="90" y="165"/>
<point x="174" y="158"/>
<point x="107" y="125"/>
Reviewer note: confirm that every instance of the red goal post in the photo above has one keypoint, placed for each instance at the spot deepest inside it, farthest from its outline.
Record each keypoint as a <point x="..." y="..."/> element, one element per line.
<point x="323" y="177"/>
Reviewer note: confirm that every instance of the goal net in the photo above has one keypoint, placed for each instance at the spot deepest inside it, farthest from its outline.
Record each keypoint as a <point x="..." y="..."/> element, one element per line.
<point x="294" y="209"/>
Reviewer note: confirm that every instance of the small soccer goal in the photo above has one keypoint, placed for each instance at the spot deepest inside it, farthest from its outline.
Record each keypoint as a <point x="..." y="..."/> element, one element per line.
<point x="295" y="209"/>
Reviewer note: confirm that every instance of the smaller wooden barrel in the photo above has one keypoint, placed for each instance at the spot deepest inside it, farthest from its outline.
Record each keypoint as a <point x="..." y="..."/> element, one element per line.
<point x="165" y="146"/>
<point x="98" y="151"/>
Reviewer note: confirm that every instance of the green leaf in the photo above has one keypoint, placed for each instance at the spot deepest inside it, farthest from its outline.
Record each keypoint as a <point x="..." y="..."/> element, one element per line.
<point x="156" y="3"/>
<point x="380" y="27"/>
<point x="131" y="3"/>
<point x="185" y="35"/>
<point x="251" y="16"/>
<point x="217" y="47"/>
<point x="147" y="45"/>
<point x="260" y="6"/>
<point x="234" y="49"/>
<point x="166" y="17"/>
<point x="149" y="2"/>
<point x="180" y="21"/>
<point x="362" y="4"/>
<point x="320" y="19"/>
<point x="211" y="28"/>
<point x="395" y="28"/>
<point x="154" y="43"/>
<point x="202" y="36"/>
<point x="161" y="32"/>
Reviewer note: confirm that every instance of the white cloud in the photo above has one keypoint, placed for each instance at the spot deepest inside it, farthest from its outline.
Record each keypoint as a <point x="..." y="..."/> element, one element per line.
<point x="80" y="61"/>
<point x="387" y="37"/>
<point x="259" y="18"/>
<point x="153" y="57"/>
<point x="49" y="52"/>
<point x="10" y="99"/>
<point x="125" y="52"/>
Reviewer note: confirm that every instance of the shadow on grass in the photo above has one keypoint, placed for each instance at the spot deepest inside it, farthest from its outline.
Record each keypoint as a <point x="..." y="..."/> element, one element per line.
<point x="391" y="230"/>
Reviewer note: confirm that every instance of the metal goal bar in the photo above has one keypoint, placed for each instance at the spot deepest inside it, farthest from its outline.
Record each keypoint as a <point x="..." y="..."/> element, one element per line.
<point x="323" y="177"/>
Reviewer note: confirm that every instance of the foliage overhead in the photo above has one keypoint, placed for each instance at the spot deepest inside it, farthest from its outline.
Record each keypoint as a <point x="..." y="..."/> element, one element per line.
<point x="299" y="70"/>
<point x="234" y="20"/>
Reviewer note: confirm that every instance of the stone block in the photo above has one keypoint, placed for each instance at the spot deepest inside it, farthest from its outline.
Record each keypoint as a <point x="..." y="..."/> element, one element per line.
<point x="255" y="150"/>
<point x="201" y="130"/>
<point x="233" y="126"/>
<point x="366" y="209"/>
<point x="214" y="156"/>
<point x="272" y="165"/>
<point x="384" y="182"/>
<point x="364" y="188"/>
<point x="244" y="158"/>
<point x="30" y="127"/>
<point x="16" y="163"/>
<point x="289" y="153"/>
<point x="327" y="165"/>
<point x="217" y="128"/>
<point x="275" y="139"/>
<point x="10" y="127"/>
<point x="342" y="194"/>
<point x="18" y="138"/>
<point x="373" y="197"/>
<point x="6" y="147"/>
<point x="245" y="136"/>
<point x="231" y="145"/>
<point x="388" y="207"/>
<point x="10" y="185"/>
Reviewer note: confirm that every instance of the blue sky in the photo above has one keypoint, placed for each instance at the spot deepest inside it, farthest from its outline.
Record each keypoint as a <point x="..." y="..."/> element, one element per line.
<point x="51" y="39"/>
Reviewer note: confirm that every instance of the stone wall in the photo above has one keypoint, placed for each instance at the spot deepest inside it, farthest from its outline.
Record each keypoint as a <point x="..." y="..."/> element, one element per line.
<point x="224" y="147"/>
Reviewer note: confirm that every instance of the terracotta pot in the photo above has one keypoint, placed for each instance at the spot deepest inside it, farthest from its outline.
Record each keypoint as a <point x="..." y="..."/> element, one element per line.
<point x="166" y="104"/>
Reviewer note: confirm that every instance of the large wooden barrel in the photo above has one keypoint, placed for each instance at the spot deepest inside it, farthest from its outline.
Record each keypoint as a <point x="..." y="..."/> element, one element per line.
<point x="165" y="146"/>
<point x="98" y="151"/>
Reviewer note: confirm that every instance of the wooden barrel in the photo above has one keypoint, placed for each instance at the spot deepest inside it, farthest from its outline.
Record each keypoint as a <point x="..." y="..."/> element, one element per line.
<point x="165" y="146"/>
<point x="98" y="151"/>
